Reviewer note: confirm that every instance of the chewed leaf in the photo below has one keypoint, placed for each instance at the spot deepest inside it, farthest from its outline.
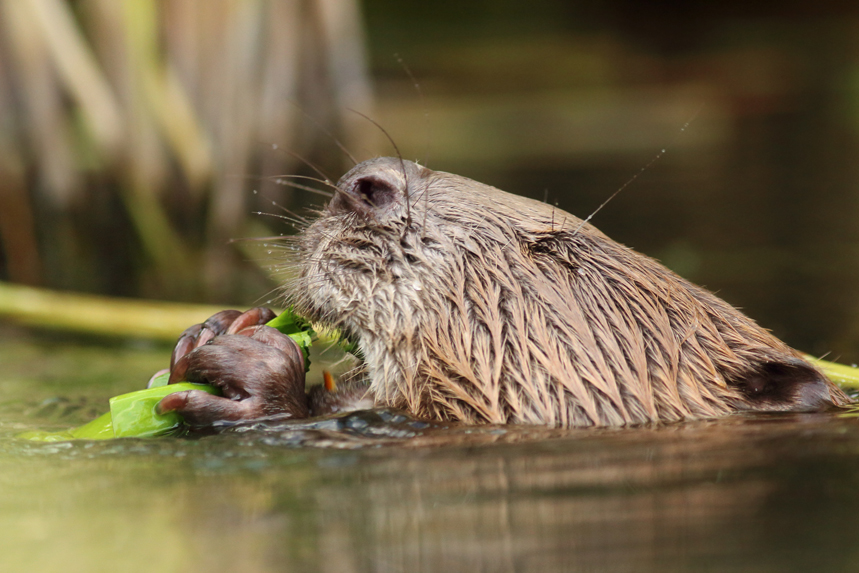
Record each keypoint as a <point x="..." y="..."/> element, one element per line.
<point x="290" y="323"/>
<point x="296" y="328"/>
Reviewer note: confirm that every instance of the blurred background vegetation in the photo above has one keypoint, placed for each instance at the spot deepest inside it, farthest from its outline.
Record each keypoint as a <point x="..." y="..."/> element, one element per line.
<point x="137" y="137"/>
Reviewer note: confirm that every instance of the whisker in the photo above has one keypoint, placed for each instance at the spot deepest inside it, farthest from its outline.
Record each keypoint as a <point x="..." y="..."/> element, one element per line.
<point x="293" y="214"/>
<point x="257" y="239"/>
<point x="280" y="181"/>
<point x="402" y="164"/>
<point x="640" y="171"/>
<point x="324" y="130"/>
<point x="293" y="176"/>
<point x="268" y="298"/>
<point x="297" y="223"/>
<point x="306" y="161"/>
<point x="423" y="102"/>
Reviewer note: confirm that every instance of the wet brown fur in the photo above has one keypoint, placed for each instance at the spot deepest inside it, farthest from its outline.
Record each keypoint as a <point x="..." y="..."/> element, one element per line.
<point x="476" y="305"/>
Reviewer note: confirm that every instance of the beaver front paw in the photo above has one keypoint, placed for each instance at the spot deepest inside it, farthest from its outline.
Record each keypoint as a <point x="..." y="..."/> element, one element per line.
<point x="259" y="370"/>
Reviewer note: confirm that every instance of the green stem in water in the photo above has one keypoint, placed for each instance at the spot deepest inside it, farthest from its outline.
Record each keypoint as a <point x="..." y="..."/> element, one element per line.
<point x="841" y="374"/>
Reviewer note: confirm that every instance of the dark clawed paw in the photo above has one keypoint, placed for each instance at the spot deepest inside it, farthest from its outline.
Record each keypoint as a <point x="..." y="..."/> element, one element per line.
<point x="259" y="370"/>
<point x="224" y="322"/>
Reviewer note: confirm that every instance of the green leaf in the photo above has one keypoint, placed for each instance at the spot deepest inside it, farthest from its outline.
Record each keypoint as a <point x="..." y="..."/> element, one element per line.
<point x="298" y="329"/>
<point x="99" y="429"/>
<point x="290" y="323"/>
<point x="131" y="415"/>
<point x="160" y="381"/>
<point x="134" y="415"/>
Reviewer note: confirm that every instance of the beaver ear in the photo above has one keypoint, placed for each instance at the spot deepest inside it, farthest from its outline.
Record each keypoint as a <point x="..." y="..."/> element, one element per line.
<point x="792" y="384"/>
<point x="365" y="195"/>
<point x="374" y="192"/>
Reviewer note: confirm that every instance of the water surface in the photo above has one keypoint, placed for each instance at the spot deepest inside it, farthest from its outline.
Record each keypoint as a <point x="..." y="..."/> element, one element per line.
<point x="377" y="491"/>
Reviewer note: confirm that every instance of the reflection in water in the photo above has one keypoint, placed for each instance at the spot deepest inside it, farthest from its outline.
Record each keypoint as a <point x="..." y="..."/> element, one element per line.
<point x="380" y="492"/>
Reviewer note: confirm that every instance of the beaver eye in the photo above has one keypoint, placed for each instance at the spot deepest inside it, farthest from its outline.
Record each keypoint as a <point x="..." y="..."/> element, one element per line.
<point x="374" y="192"/>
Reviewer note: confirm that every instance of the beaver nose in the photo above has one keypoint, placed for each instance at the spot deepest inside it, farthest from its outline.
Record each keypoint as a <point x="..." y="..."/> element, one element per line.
<point x="365" y="195"/>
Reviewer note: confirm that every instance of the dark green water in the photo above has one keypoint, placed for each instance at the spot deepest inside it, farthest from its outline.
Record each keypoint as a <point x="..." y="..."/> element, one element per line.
<point x="378" y="492"/>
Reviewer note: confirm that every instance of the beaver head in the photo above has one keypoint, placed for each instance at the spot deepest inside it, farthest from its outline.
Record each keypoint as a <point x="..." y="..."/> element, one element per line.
<point x="473" y="304"/>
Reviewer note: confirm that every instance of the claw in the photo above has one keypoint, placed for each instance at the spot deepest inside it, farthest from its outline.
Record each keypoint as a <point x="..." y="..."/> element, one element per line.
<point x="221" y="321"/>
<point x="253" y="317"/>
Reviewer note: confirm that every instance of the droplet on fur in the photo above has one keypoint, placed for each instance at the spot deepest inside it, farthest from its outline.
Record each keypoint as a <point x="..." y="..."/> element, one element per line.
<point x="417" y="286"/>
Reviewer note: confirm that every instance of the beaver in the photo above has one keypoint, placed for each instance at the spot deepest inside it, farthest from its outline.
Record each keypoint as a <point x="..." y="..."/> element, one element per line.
<point x="474" y="305"/>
